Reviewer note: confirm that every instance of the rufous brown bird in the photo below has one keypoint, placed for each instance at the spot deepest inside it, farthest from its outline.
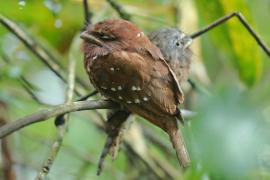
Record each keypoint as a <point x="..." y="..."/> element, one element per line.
<point x="174" y="46"/>
<point x="124" y="66"/>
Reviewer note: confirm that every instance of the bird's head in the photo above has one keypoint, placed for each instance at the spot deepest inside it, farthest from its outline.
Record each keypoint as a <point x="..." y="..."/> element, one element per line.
<point x="173" y="43"/>
<point x="112" y="35"/>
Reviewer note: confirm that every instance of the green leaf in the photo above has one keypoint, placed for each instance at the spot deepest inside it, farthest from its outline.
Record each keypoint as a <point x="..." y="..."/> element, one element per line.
<point x="248" y="56"/>
<point x="232" y="44"/>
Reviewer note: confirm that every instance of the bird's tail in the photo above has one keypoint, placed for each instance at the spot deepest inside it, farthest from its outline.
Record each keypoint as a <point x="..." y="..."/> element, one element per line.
<point x="178" y="142"/>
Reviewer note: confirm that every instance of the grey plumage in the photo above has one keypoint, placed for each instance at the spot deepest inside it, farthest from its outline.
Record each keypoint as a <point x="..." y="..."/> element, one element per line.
<point x="174" y="46"/>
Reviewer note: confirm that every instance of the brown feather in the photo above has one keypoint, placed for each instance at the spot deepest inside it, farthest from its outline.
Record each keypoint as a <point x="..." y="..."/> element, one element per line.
<point x="130" y="70"/>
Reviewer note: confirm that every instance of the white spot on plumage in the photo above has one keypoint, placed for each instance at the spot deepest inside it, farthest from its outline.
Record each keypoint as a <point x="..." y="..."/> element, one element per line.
<point x="112" y="69"/>
<point x="134" y="88"/>
<point x="88" y="68"/>
<point x="113" y="89"/>
<point x="145" y="98"/>
<point x="120" y="97"/>
<point x="140" y="34"/>
<point x="103" y="87"/>
<point x="95" y="57"/>
<point x="137" y="101"/>
<point x="129" y="102"/>
<point x="119" y="88"/>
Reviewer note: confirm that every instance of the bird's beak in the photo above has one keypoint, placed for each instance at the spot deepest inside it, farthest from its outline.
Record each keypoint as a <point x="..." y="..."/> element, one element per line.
<point x="90" y="38"/>
<point x="188" y="43"/>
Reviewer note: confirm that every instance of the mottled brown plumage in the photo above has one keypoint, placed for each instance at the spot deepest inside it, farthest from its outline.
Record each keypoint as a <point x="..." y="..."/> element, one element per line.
<point x="126" y="67"/>
<point x="174" y="45"/>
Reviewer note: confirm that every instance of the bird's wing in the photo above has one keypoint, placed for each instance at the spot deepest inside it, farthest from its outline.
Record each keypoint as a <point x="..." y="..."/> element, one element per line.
<point x="155" y="52"/>
<point x="136" y="80"/>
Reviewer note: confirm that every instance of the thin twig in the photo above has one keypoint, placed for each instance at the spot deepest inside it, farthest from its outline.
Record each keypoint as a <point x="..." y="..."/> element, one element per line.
<point x="151" y="136"/>
<point x="148" y="165"/>
<point x="7" y="160"/>
<point x="70" y="150"/>
<point x="29" y="91"/>
<point x="48" y="59"/>
<point x="8" y="171"/>
<point x="119" y="9"/>
<point x="83" y="98"/>
<point x="150" y="18"/>
<point x="241" y="18"/>
<point x="23" y="81"/>
<point x="166" y="167"/>
<point x="61" y="129"/>
<point x="87" y="12"/>
<point x="196" y="87"/>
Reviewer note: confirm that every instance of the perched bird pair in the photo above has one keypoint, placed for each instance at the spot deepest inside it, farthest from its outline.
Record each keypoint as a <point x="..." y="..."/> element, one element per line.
<point x="143" y="76"/>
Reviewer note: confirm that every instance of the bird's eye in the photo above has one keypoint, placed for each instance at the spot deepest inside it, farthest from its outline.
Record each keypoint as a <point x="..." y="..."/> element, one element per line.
<point x="106" y="37"/>
<point x="177" y="43"/>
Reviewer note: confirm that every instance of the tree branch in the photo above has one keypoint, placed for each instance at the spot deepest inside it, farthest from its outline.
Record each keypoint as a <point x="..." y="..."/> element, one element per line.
<point x="45" y="114"/>
<point x="87" y="12"/>
<point x="119" y="9"/>
<point x="52" y="112"/>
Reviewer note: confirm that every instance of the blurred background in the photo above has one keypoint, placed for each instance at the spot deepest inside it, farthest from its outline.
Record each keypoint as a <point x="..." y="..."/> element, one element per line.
<point x="227" y="139"/>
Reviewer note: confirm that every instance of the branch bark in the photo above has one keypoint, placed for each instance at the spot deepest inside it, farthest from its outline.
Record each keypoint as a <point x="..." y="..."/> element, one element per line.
<point x="7" y="169"/>
<point x="119" y="9"/>
<point x="62" y="128"/>
<point x="52" y="112"/>
<point x="45" y="114"/>
<point x="87" y="13"/>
